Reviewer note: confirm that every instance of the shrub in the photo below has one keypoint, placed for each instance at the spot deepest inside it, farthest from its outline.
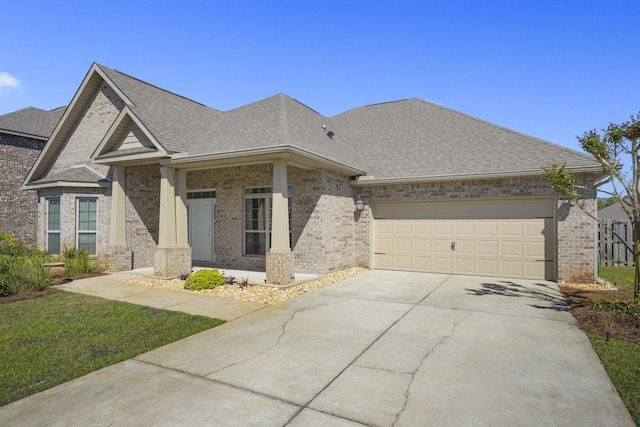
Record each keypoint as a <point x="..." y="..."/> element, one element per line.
<point x="5" y="288"/>
<point x="204" y="279"/>
<point x="78" y="261"/>
<point x="28" y="273"/>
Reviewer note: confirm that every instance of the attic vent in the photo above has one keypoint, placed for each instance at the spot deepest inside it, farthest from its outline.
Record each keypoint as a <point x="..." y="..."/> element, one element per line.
<point x="330" y="134"/>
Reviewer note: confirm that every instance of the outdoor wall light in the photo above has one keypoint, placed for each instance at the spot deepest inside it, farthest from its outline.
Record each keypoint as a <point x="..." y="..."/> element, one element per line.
<point x="359" y="204"/>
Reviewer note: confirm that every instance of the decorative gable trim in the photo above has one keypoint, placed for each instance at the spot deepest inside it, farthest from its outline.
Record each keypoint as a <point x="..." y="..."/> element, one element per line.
<point x="95" y="76"/>
<point x="127" y="139"/>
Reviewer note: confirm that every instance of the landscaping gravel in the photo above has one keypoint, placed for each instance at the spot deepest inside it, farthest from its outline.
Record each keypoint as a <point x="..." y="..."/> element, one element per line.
<point x="254" y="292"/>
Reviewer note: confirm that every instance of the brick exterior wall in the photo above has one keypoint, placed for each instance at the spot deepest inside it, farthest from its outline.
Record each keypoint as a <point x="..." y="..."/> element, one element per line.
<point x="18" y="209"/>
<point x="142" y="190"/>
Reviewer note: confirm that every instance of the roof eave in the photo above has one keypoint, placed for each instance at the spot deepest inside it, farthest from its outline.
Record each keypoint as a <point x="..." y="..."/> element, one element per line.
<point x="372" y="180"/>
<point x="58" y="184"/>
<point x="24" y="135"/>
<point x="290" y="154"/>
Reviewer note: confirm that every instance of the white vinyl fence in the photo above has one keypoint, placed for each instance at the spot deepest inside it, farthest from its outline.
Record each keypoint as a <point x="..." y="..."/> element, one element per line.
<point x="612" y="250"/>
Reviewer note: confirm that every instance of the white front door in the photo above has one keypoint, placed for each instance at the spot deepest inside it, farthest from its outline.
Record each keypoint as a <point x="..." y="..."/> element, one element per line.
<point x="201" y="229"/>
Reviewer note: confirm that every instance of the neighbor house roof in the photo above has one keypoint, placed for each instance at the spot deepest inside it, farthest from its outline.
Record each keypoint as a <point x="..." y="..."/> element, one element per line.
<point x="613" y="211"/>
<point x="414" y="139"/>
<point x="31" y="122"/>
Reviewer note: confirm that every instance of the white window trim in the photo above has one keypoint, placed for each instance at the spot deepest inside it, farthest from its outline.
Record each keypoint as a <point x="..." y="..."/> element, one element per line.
<point x="267" y="231"/>
<point x="49" y="231"/>
<point x="78" y="231"/>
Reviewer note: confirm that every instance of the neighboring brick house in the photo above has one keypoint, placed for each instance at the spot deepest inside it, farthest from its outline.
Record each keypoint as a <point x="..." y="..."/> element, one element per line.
<point x="23" y="134"/>
<point x="144" y="177"/>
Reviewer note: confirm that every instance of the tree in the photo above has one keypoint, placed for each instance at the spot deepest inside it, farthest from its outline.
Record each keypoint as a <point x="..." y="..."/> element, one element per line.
<point x="617" y="150"/>
<point x="603" y="202"/>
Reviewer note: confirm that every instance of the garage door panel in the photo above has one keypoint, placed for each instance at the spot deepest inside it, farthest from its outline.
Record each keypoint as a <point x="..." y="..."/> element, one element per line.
<point x="512" y="248"/>
<point x="422" y="228"/>
<point x="464" y="247"/>
<point x="511" y="268"/>
<point x="421" y="246"/>
<point x="487" y="228"/>
<point x="507" y="237"/>
<point x="488" y="247"/>
<point x="511" y="229"/>
<point x="488" y="267"/>
<point x="442" y="246"/>
<point x="443" y="228"/>
<point x="422" y="263"/>
<point x="464" y="229"/>
<point x="403" y="244"/>
<point x="403" y="262"/>
<point x="465" y="265"/>
<point x="535" y="249"/>
<point x="534" y="228"/>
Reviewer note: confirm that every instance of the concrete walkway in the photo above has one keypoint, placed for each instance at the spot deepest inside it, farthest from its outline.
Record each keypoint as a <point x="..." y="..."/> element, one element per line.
<point x="382" y="348"/>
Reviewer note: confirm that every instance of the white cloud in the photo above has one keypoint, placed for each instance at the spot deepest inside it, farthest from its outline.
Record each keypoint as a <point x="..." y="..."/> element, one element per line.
<point x="7" y="80"/>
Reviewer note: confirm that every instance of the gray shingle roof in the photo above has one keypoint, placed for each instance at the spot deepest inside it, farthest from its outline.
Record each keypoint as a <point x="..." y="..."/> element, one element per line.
<point x="401" y="140"/>
<point x="278" y="121"/>
<point x="31" y="121"/>
<point x="612" y="212"/>
<point x="77" y="174"/>
<point x="414" y="138"/>
<point x="182" y="125"/>
<point x="175" y="121"/>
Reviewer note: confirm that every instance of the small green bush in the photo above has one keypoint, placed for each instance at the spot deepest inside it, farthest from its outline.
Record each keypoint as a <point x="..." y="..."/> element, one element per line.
<point x="5" y="288"/>
<point x="204" y="279"/>
<point x="78" y="261"/>
<point x="28" y="273"/>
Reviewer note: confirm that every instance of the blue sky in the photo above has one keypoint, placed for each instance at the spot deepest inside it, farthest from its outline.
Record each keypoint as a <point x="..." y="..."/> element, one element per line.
<point x="550" y="69"/>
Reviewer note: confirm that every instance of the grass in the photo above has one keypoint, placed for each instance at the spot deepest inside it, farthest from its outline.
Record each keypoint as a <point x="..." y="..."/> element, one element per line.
<point x="50" y="340"/>
<point x="621" y="359"/>
<point x="622" y="276"/>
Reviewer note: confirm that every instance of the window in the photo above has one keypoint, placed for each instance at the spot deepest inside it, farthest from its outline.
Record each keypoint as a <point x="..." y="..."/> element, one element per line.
<point x="87" y="221"/>
<point x="257" y="219"/>
<point x="53" y="226"/>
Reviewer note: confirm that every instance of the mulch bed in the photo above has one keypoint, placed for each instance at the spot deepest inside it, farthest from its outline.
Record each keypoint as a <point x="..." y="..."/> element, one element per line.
<point x="598" y="321"/>
<point x="27" y="295"/>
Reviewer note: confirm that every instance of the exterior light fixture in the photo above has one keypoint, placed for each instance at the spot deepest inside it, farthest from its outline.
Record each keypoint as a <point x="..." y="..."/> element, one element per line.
<point x="359" y="204"/>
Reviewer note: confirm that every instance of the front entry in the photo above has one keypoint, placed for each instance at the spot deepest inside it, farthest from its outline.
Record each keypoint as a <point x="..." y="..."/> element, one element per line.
<point x="201" y="216"/>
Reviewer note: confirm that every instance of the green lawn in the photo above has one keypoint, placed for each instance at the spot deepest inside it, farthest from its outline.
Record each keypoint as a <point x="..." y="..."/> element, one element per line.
<point x="621" y="359"/>
<point x="622" y="276"/>
<point x="50" y="340"/>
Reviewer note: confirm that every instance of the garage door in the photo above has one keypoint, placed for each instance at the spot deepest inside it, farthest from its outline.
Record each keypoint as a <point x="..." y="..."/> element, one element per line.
<point x="502" y="238"/>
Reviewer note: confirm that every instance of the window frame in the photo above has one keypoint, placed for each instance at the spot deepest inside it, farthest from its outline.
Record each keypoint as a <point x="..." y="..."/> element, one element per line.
<point x="53" y="231"/>
<point x="262" y="193"/>
<point x="80" y="231"/>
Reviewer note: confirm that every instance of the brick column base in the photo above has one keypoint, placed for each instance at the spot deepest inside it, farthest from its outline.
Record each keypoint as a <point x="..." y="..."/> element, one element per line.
<point x="117" y="258"/>
<point x="280" y="268"/>
<point x="171" y="262"/>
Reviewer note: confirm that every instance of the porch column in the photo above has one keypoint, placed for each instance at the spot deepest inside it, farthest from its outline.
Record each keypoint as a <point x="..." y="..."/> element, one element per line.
<point x="279" y="259"/>
<point x="182" y="230"/>
<point x="117" y="255"/>
<point x="167" y="224"/>
<point x="172" y="257"/>
<point x="118" y="228"/>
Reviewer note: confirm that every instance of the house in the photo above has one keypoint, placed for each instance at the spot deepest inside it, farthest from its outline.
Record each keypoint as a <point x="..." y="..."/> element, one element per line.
<point x="144" y="177"/>
<point x="23" y="135"/>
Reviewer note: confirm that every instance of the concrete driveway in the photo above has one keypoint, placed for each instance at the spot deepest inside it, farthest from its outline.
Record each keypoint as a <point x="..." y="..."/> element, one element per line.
<point x="382" y="348"/>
